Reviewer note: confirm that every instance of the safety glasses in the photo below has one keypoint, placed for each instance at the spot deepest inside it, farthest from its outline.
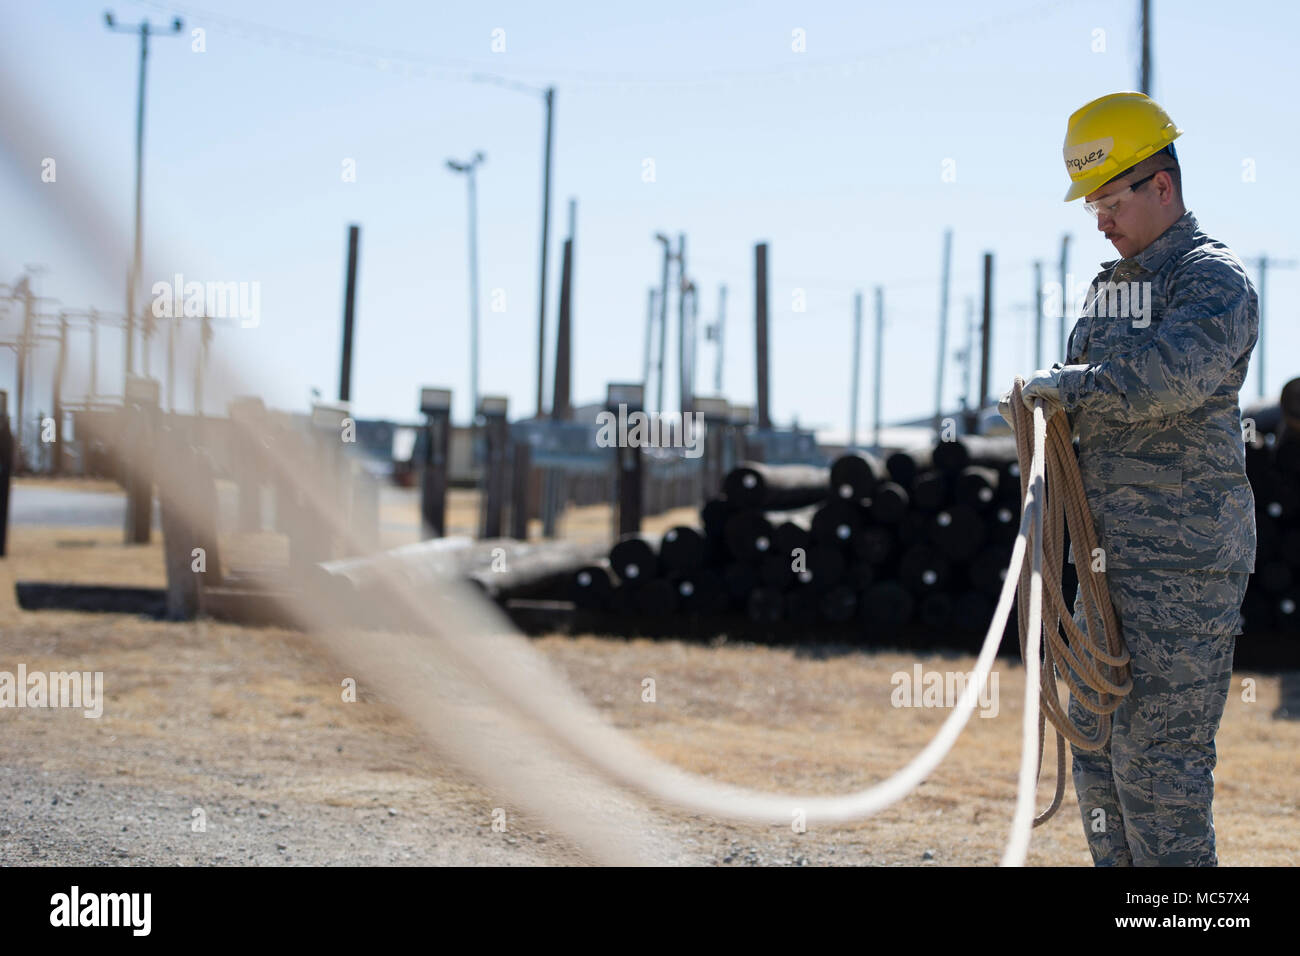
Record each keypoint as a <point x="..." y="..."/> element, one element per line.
<point x="1110" y="204"/>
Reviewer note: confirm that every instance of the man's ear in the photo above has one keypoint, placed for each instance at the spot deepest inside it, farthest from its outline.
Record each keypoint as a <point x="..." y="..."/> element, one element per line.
<point x="1165" y="191"/>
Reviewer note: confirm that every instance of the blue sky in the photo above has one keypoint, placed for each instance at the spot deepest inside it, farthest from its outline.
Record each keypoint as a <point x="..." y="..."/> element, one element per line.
<point x="834" y="156"/>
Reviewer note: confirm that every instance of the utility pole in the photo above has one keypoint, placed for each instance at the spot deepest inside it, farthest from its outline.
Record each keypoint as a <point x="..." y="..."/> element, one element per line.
<point x="857" y="361"/>
<point x="1144" y="75"/>
<point x="663" y="319"/>
<point x="943" y="330"/>
<point x="760" y="335"/>
<point x="692" y="344"/>
<point x="719" y="328"/>
<point x="1038" y="314"/>
<point x="1065" y="288"/>
<point x="349" y="315"/>
<point x="649" y="340"/>
<point x="468" y="169"/>
<point x="133" y="280"/>
<point x="23" y="288"/>
<point x="1264" y="262"/>
<point x="59" y="366"/>
<point x="969" y="363"/>
<point x="986" y="335"/>
<point x="94" y="354"/>
<point x="546" y="225"/>
<point x="683" y="384"/>
<point x="561" y="400"/>
<point x="880" y="351"/>
<point x="561" y="405"/>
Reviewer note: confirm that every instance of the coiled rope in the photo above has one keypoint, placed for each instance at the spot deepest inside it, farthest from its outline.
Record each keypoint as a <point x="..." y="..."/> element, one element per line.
<point x="1098" y="658"/>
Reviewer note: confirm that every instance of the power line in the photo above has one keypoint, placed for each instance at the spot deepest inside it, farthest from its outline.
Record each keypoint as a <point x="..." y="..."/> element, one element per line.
<point x="356" y="54"/>
<point x="390" y="60"/>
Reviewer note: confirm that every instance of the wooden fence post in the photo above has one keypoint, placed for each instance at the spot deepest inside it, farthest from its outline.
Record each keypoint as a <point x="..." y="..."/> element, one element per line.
<point x="6" y="471"/>
<point x="140" y="410"/>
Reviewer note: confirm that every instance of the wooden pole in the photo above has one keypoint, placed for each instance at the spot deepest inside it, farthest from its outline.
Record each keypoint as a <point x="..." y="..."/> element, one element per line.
<point x="683" y="376"/>
<point x="94" y="353"/>
<point x="629" y="467"/>
<point x="986" y="333"/>
<point x="6" y="470"/>
<point x="943" y="331"/>
<point x="649" y="340"/>
<point x="522" y="471"/>
<point x="1260" y="351"/>
<point x="1065" y="289"/>
<point x="21" y="385"/>
<point x="179" y="500"/>
<point x="857" y="361"/>
<point x="141" y="420"/>
<point x="1038" y="315"/>
<point x="496" y="432"/>
<point x="349" y="312"/>
<point x="59" y="366"/>
<point x="719" y="338"/>
<point x="541" y="276"/>
<point x="436" y="405"/>
<point x="968" y="365"/>
<point x="880" y="351"/>
<point x="561" y="407"/>
<point x="1144" y="76"/>
<point x="760" y="337"/>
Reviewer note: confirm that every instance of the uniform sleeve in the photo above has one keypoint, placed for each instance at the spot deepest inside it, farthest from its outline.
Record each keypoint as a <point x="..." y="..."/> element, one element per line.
<point x="1209" y="321"/>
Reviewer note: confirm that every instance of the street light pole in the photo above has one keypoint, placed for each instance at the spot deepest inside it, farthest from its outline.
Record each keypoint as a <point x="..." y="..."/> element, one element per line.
<point x="468" y="169"/>
<point x="546" y="226"/>
<point x="133" y="279"/>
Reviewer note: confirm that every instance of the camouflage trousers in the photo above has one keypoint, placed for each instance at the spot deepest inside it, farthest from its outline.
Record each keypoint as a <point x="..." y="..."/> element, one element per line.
<point x="1146" y="796"/>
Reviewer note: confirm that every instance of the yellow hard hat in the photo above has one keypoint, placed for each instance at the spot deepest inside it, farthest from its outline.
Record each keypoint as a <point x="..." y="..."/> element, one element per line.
<point x="1109" y="135"/>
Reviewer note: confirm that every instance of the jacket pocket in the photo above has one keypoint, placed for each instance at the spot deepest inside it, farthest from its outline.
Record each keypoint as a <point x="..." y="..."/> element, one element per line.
<point x="1141" y="504"/>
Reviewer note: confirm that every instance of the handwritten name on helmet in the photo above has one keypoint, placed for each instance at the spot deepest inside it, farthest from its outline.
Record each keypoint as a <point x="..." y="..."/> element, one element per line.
<point x="1084" y="155"/>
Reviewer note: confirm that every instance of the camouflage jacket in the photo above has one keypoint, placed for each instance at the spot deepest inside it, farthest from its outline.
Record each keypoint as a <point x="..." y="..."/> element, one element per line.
<point x="1151" y="390"/>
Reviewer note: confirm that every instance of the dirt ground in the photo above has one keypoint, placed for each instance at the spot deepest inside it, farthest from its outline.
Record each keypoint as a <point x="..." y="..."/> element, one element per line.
<point x="245" y="730"/>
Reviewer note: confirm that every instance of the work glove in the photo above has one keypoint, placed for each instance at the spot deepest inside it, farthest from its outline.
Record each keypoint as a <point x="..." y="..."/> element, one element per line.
<point x="1044" y="384"/>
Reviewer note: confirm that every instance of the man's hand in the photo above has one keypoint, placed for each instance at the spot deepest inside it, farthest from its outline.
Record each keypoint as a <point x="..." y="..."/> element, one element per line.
<point x="1044" y="384"/>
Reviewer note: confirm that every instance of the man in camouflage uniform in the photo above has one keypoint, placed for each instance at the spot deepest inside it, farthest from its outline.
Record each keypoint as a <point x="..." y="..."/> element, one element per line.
<point x="1151" y="391"/>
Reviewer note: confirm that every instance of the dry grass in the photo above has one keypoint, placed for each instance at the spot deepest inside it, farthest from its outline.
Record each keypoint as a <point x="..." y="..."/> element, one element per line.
<point x="97" y="485"/>
<point x="83" y="556"/>
<point x="221" y="706"/>
<point x="773" y="718"/>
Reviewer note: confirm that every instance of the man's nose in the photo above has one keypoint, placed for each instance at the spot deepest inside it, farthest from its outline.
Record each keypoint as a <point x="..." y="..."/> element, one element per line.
<point x="1104" y="221"/>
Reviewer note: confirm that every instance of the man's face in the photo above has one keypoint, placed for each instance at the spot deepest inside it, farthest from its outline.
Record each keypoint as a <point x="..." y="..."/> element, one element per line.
<point x="1132" y="218"/>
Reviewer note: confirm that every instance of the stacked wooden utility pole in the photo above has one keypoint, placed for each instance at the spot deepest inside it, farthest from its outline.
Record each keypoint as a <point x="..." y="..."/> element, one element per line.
<point x="911" y="545"/>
